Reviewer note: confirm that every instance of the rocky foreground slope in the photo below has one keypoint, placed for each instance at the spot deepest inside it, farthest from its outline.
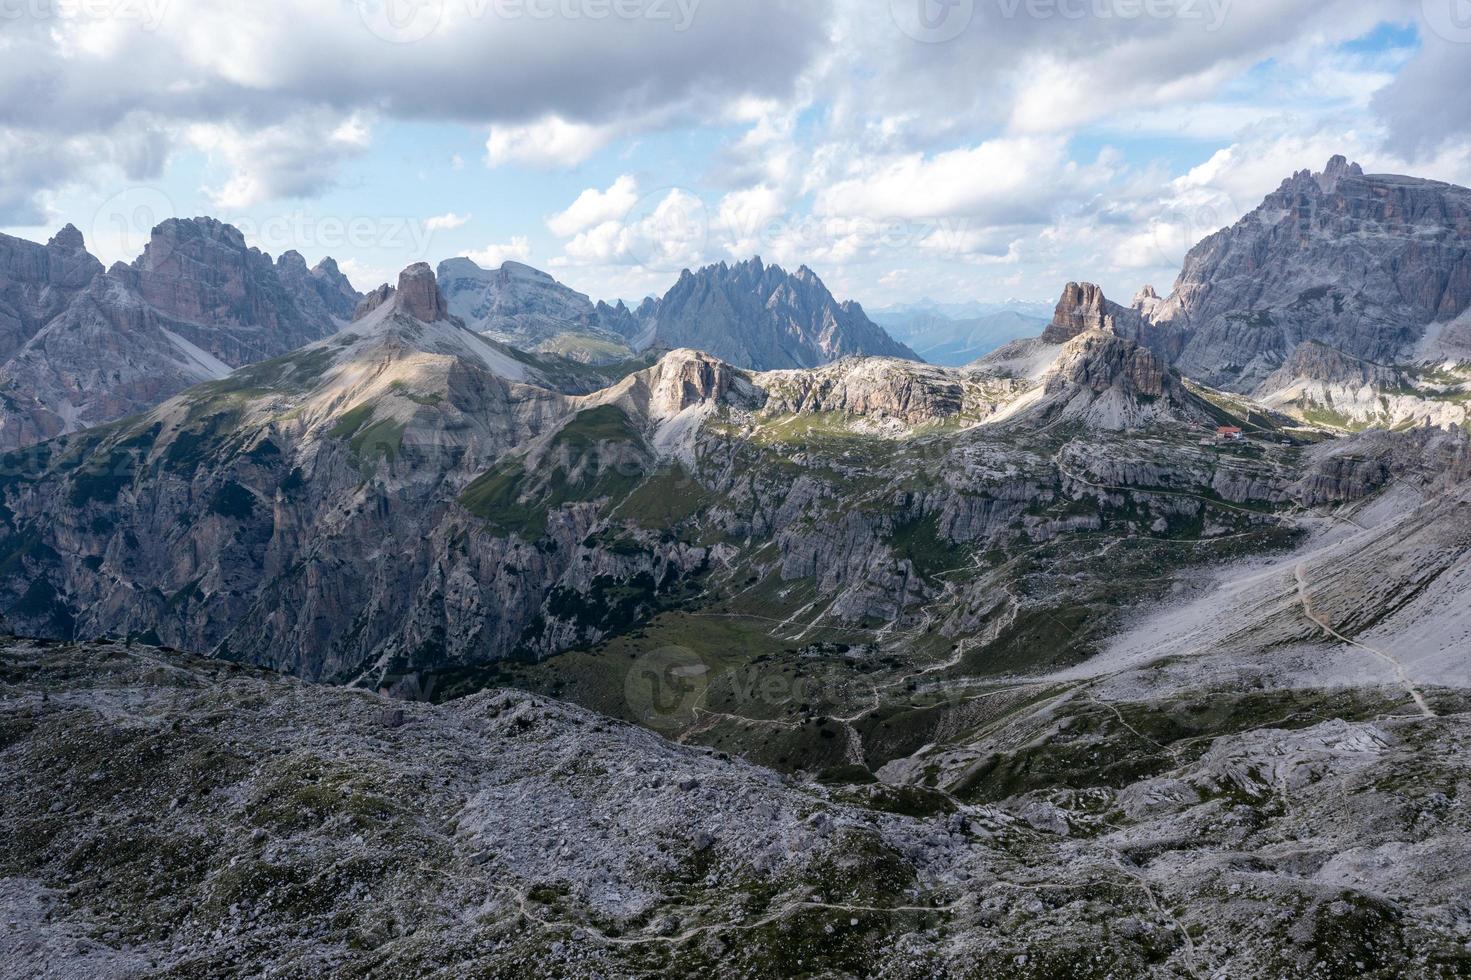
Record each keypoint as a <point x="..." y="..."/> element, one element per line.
<point x="173" y="817"/>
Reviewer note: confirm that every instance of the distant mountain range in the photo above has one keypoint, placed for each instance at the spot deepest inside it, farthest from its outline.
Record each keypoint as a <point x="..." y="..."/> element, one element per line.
<point x="751" y="315"/>
<point x="80" y="346"/>
<point x="956" y="334"/>
<point x="760" y="316"/>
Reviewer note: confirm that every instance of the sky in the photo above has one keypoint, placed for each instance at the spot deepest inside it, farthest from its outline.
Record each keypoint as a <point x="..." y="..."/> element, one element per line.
<point x="954" y="150"/>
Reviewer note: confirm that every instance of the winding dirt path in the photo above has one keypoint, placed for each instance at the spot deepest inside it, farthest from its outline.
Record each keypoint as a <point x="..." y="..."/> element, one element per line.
<point x="1301" y="574"/>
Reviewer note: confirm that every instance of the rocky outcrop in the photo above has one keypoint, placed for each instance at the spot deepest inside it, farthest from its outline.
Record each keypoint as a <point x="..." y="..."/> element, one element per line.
<point x="200" y="272"/>
<point x="418" y="294"/>
<point x="322" y="293"/>
<point x="1105" y="381"/>
<point x="1362" y="263"/>
<point x="529" y="309"/>
<point x="911" y="393"/>
<point x="91" y="347"/>
<point x="762" y="317"/>
<point x="1099" y="362"/>
<point x="372" y="300"/>
<point x="37" y="282"/>
<point x="1082" y="308"/>
<point x="1314" y="361"/>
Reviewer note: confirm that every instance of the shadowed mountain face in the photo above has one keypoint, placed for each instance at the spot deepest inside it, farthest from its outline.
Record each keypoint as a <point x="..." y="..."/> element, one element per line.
<point x="1362" y="263"/>
<point x="84" y="347"/>
<point x="758" y="316"/>
<point x="1344" y="299"/>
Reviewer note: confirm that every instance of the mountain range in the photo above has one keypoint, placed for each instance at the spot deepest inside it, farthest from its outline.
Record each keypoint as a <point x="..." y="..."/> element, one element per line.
<point x="80" y="346"/>
<point x="956" y="335"/>
<point x="83" y="346"/>
<point x="488" y="626"/>
<point x="1342" y="299"/>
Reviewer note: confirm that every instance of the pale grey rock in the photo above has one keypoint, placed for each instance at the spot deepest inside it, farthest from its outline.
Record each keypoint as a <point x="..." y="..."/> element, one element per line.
<point x="1363" y="263"/>
<point x="529" y="309"/>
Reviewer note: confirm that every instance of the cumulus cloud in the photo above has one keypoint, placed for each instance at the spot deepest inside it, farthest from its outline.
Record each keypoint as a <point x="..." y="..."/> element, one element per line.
<point x="549" y="142"/>
<point x="239" y="77"/>
<point x="1418" y="106"/>
<point x="446" y="222"/>
<point x="594" y="207"/>
<point x="673" y="233"/>
<point x="1002" y="181"/>
<point x="288" y="160"/>
<point x="518" y="249"/>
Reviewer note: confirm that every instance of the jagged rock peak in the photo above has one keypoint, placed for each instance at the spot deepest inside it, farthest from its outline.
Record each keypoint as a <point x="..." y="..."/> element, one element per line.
<point x="759" y="316"/>
<point x="372" y="301"/>
<point x="170" y="235"/>
<point x="419" y="295"/>
<point x="1082" y="308"/>
<point x="68" y="238"/>
<point x="292" y="259"/>
<point x="1338" y="168"/>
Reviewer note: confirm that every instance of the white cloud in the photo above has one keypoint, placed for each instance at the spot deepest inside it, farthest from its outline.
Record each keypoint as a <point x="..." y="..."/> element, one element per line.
<point x="673" y="234"/>
<point x="594" y="207"/>
<point x="550" y="142"/>
<point x="365" y="276"/>
<point x="446" y="222"/>
<point x="518" y="249"/>
<point x="1000" y="181"/>
<point x="288" y="160"/>
<point x="745" y="219"/>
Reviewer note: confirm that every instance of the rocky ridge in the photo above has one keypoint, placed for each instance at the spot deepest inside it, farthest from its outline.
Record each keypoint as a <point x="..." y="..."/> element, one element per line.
<point x="92" y="347"/>
<point x="757" y="316"/>
<point x="529" y="309"/>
